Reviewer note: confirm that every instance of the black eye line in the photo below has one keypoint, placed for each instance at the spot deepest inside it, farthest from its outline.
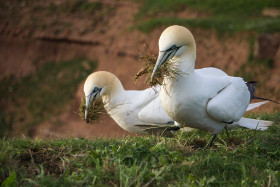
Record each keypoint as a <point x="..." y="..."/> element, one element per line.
<point x="168" y="55"/>
<point x="171" y="48"/>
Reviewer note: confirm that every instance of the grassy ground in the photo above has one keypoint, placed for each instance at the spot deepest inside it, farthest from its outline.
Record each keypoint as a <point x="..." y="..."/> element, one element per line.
<point x="246" y="158"/>
<point x="223" y="16"/>
<point x="41" y="95"/>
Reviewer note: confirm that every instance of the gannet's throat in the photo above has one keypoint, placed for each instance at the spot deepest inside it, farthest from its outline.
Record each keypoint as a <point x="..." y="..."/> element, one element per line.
<point x="186" y="60"/>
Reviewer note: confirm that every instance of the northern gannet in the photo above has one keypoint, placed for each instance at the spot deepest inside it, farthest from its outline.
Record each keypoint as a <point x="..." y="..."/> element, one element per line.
<point x="130" y="109"/>
<point x="198" y="100"/>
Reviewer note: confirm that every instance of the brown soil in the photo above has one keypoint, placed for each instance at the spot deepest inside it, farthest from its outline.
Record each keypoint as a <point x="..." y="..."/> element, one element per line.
<point x="115" y="47"/>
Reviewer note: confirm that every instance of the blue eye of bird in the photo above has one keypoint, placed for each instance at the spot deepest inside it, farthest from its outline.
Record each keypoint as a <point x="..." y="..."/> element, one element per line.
<point x="173" y="47"/>
<point x="95" y="89"/>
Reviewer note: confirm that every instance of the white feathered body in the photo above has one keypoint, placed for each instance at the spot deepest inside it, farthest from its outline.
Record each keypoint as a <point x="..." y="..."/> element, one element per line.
<point x="205" y="102"/>
<point x="130" y="107"/>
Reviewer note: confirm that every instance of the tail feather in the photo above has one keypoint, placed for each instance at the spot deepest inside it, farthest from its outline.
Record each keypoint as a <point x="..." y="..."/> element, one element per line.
<point x="254" y="124"/>
<point x="159" y="129"/>
<point x="255" y="105"/>
<point x="159" y="126"/>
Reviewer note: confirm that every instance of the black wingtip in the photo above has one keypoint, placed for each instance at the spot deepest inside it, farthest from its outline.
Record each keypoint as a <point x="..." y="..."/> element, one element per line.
<point x="174" y="128"/>
<point x="252" y="88"/>
<point x="165" y="127"/>
<point x="255" y="97"/>
<point x="252" y="82"/>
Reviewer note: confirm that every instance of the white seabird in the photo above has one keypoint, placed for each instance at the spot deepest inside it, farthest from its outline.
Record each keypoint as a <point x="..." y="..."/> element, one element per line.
<point x="198" y="100"/>
<point x="132" y="110"/>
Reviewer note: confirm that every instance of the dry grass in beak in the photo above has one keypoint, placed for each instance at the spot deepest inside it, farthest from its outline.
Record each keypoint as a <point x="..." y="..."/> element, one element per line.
<point x="95" y="110"/>
<point x="148" y="63"/>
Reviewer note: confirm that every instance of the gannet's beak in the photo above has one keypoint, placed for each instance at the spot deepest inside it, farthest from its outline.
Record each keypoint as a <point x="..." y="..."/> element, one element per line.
<point x="164" y="56"/>
<point x="88" y="101"/>
<point x="89" y="98"/>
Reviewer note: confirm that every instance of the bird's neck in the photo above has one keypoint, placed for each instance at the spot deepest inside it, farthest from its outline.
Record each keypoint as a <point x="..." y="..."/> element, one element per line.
<point x="184" y="64"/>
<point x="114" y="95"/>
<point x="186" y="61"/>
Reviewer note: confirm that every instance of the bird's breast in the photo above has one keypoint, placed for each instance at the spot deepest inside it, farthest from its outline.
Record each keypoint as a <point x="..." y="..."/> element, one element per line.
<point x="183" y="105"/>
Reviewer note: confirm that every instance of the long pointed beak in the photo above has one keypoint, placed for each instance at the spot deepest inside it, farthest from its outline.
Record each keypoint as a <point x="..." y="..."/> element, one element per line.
<point x="158" y="63"/>
<point x="163" y="56"/>
<point x="87" y="105"/>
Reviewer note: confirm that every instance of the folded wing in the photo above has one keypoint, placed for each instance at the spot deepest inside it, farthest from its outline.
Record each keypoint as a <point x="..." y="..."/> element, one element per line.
<point x="231" y="102"/>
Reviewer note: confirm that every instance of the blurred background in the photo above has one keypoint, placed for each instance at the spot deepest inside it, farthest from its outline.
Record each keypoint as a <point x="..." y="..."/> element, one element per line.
<point x="49" y="47"/>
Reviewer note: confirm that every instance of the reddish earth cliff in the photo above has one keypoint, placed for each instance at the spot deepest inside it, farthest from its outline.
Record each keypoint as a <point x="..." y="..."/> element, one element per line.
<point x="115" y="46"/>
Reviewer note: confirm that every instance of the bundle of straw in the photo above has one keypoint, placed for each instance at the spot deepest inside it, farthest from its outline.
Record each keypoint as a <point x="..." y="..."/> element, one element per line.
<point x="95" y="111"/>
<point x="148" y="63"/>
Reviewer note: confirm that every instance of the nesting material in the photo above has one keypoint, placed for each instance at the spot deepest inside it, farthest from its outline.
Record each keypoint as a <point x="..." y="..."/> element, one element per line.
<point x="95" y="111"/>
<point x="148" y="63"/>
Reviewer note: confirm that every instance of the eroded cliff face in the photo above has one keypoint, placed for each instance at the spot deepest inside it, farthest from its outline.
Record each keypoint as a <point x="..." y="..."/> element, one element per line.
<point x="34" y="33"/>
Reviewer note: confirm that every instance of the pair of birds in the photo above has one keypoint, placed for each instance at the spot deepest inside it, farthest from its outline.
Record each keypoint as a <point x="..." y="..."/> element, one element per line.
<point x="206" y="99"/>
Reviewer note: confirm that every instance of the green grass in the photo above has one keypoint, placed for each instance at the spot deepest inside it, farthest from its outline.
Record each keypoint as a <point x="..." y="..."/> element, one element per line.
<point x="246" y="158"/>
<point x="75" y="6"/>
<point x="223" y="16"/>
<point x="42" y="95"/>
<point x="220" y="24"/>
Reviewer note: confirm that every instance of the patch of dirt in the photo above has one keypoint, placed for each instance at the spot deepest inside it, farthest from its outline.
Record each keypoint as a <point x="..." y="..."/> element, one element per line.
<point x="116" y="48"/>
